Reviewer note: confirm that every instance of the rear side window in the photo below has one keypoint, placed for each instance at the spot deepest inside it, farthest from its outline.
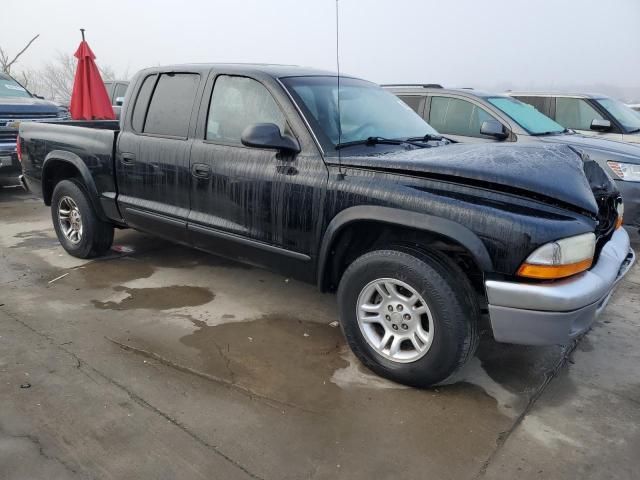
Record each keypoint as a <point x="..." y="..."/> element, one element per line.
<point x="453" y="116"/>
<point x="575" y="113"/>
<point x="142" y="102"/>
<point x="542" y="104"/>
<point x="413" y="101"/>
<point x="171" y="105"/>
<point x="120" y="91"/>
<point x="238" y="102"/>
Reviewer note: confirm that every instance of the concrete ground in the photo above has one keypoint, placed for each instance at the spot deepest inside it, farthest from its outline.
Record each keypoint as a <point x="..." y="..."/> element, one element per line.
<point x="163" y="362"/>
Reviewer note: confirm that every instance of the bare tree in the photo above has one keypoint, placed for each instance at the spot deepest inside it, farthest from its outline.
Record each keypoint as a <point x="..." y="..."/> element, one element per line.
<point x="54" y="80"/>
<point x="6" y="61"/>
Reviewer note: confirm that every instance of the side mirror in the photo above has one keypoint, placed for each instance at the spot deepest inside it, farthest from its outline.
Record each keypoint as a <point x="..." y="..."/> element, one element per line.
<point x="493" y="128"/>
<point x="600" y="125"/>
<point x="119" y="101"/>
<point x="267" y="135"/>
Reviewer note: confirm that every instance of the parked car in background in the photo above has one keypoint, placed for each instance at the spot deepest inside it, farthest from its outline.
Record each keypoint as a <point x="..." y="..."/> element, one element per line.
<point x="117" y="89"/>
<point x="417" y="235"/>
<point x="589" y="114"/>
<point x="18" y="104"/>
<point x="474" y="116"/>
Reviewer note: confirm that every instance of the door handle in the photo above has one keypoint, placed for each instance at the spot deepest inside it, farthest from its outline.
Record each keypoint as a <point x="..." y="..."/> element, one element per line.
<point x="200" y="170"/>
<point x="128" y="158"/>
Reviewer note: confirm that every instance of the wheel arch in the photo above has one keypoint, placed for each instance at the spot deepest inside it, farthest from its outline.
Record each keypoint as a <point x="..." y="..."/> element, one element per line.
<point x="414" y="221"/>
<point x="61" y="165"/>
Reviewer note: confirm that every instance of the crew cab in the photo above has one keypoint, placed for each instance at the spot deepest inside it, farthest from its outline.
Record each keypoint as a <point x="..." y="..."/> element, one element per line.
<point x="418" y="236"/>
<point x="476" y="116"/>
<point x="17" y="104"/>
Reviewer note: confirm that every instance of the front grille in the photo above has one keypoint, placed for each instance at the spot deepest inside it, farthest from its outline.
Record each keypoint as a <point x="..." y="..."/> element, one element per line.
<point x="8" y="135"/>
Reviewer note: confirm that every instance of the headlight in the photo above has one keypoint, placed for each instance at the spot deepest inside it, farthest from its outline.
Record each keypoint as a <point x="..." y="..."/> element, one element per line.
<point x="625" y="171"/>
<point x="561" y="258"/>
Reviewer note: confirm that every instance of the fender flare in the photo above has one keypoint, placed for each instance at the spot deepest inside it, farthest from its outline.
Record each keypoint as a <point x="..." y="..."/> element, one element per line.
<point x="394" y="216"/>
<point x="87" y="178"/>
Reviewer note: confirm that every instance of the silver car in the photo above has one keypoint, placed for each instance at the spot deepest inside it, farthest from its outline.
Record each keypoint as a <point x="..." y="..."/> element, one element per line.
<point x="588" y="114"/>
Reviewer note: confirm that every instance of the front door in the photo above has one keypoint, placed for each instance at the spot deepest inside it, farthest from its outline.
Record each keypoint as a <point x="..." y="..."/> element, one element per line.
<point x="256" y="204"/>
<point x="152" y="163"/>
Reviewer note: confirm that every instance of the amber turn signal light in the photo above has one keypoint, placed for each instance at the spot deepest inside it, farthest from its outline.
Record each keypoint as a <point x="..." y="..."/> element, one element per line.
<point x="553" y="272"/>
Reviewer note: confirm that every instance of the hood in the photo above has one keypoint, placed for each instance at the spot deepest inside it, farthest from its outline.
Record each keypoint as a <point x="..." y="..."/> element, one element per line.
<point x="26" y="105"/>
<point x="597" y="147"/>
<point x="550" y="173"/>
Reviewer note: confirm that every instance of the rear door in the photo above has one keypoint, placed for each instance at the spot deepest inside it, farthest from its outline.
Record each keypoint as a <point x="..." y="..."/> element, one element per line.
<point x="458" y="119"/>
<point x="253" y="203"/>
<point x="152" y="160"/>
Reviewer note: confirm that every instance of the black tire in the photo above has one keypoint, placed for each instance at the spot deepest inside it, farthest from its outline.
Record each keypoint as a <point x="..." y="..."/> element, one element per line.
<point x="448" y="295"/>
<point x="97" y="235"/>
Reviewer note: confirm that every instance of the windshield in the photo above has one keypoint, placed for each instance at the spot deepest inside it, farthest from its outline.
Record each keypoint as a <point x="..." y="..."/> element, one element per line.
<point x="628" y="118"/>
<point x="10" y="88"/>
<point x="366" y="110"/>
<point x="526" y="116"/>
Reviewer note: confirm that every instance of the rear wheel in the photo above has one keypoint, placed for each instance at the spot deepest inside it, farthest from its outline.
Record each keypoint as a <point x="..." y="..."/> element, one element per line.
<point x="408" y="316"/>
<point x="79" y="229"/>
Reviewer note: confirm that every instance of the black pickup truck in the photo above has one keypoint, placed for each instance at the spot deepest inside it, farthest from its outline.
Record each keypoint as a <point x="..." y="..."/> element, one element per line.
<point x="419" y="237"/>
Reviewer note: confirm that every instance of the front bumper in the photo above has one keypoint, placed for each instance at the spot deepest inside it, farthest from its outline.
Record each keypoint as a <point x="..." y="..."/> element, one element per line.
<point x="555" y="312"/>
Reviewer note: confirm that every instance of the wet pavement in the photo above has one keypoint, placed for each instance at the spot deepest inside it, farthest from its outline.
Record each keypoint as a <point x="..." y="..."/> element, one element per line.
<point x="159" y="361"/>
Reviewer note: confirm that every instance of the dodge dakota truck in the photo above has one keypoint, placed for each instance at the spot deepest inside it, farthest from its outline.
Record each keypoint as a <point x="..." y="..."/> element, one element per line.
<point x="335" y="181"/>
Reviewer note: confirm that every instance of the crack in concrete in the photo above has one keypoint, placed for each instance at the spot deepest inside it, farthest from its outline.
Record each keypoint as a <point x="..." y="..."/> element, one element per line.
<point x="137" y="399"/>
<point x="41" y="450"/>
<point x="252" y="395"/>
<point x="503" y="437"/>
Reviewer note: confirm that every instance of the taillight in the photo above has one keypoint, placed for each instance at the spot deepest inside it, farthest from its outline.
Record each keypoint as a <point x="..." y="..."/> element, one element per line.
<point x="19" y="149"/>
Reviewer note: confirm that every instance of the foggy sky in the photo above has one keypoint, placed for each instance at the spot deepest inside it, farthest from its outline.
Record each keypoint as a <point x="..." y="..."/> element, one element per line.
<point x="517" y="43"/>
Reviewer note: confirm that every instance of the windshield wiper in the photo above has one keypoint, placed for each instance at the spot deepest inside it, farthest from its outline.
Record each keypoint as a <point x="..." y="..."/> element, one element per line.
<point x="429" y="137"/>
<point x="550" y="132"/>
<point x="378" y="141"/>
<point x="634" y="131"/>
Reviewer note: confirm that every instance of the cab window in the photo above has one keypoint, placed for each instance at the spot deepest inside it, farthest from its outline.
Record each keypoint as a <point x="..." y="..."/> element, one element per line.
<point x="236" y="103"/>
<point x="575" y="113"/>
<point x="453" y="116"/>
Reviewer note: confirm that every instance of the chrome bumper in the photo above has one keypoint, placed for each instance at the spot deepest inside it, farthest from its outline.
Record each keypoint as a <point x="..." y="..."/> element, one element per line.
<point x="555" y="312"/>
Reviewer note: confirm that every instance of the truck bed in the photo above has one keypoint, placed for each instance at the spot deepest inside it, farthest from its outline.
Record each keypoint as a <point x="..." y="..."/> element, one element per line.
<point x="87" y="145"/>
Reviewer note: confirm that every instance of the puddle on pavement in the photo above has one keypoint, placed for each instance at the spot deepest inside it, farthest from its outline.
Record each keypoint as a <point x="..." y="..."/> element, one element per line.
<point x="104" y="273"/>
<point x="278" y="356"/>
<point x="158" y="298"/>
<point x="35" y="239"/>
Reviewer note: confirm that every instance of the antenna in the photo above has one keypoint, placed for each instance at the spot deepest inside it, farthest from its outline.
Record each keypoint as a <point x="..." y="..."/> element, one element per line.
<point x="340" y="172"/>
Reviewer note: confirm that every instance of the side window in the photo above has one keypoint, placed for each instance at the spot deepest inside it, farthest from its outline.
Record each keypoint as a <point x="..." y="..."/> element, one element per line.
<point x="171" y="105"/>
<point x="236" y="103"/>
<point x="413" y="101"/>
<point x="120" y="91"/>
<point x="142" y="102"/>
<point x="542" y="104"/>
<point x="453" y="116"/>
<point x="575" y="113"/>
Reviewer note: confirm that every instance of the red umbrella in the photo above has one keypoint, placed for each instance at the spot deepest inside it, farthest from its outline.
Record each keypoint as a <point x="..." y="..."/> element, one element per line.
<point x="89" y="99"/>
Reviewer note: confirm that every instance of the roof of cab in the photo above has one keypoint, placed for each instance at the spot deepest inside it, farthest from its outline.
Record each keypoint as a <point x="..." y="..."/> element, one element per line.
<point x="556" y="94"/>
<point x="276" y="71"/>
<point x="413" y="89"/>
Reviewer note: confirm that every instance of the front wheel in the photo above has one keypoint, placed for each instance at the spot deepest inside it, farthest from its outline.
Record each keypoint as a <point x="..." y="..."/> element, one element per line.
<point x="79" y="229"/>
<point x="410" y="317"/>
